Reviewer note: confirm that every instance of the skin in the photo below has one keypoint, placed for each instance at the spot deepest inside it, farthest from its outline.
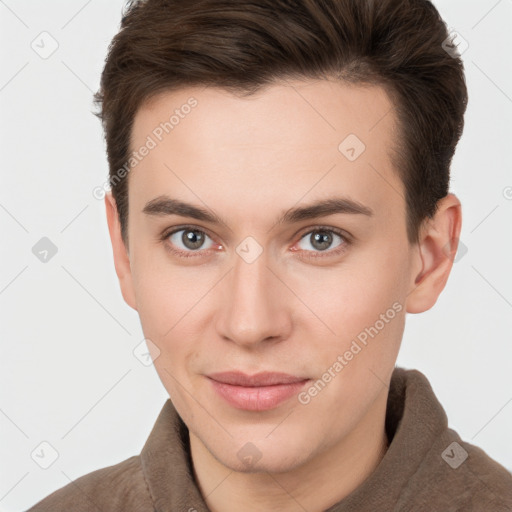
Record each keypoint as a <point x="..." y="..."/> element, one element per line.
<point x="249" y="160"/>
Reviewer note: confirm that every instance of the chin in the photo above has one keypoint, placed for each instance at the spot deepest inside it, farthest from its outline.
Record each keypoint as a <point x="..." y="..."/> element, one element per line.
<point x="258" y="458"/>
<point x="274" y="466"/>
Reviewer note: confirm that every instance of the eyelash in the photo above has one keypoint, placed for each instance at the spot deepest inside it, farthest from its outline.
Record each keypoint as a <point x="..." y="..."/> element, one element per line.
<point x="316" y="254"/>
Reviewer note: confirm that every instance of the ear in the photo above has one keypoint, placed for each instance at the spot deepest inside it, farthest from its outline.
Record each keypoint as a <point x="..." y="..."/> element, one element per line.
<point x="437" y="247"/>
<point x="121" y="256"/>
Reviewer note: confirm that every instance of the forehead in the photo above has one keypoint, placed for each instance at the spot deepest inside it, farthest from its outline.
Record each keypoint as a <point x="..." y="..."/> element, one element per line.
<point x="276" y="146"/>
<point x="319" y="110"/>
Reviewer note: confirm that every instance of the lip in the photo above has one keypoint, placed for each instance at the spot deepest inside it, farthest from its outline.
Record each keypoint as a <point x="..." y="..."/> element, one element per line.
<point x="260" y="392"/>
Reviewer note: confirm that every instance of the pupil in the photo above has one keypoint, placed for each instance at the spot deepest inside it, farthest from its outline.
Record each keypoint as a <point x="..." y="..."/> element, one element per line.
<point x="323" y="240"/>
<point x="192" y="239"/>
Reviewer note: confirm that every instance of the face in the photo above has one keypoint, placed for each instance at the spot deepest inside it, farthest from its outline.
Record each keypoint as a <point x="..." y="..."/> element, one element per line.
<point x="256" y="279"/>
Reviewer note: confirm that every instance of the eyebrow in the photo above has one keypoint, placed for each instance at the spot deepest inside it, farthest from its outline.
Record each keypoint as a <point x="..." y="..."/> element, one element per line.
<point x="164" y="206"/>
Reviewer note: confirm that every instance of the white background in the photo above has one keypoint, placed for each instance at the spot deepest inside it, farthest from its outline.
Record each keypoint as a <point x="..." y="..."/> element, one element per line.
<point x="68" y="374"/>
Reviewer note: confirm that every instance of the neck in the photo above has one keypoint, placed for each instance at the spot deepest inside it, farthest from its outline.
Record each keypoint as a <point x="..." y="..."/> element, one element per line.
<point x="316" y="485"/>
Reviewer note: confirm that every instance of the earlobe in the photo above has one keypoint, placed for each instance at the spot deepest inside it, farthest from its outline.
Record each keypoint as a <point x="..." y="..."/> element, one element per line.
<point x="437" y="247"/>
<point x="120" y="252"/>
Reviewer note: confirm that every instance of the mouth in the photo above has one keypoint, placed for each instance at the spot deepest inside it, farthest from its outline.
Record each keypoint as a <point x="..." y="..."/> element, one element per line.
<point x="260" y="392"/>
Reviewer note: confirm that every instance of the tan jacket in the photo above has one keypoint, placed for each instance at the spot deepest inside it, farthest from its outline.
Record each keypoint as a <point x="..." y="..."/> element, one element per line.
<point x="427" y="468"/>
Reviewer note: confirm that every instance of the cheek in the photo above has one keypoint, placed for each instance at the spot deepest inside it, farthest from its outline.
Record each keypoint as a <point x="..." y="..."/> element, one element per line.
<point x="168" y="304"/>
<point x="164" y="292"/>
<point x="362" y="303"/>
<point x="377" y="314"/>
<point x="163" y="317"/>
<point x="351" y="296"/>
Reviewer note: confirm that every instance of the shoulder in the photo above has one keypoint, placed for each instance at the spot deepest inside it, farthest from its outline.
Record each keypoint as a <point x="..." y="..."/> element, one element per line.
<point x="113" y="488"/>
<point x="458" y="476"/>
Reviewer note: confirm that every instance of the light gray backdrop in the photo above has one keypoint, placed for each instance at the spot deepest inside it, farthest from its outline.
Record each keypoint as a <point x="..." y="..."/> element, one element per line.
<point x="69" y="378"/>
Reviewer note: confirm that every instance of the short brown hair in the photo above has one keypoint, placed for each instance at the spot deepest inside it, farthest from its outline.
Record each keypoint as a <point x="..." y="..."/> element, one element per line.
<point x="243" y="45"/>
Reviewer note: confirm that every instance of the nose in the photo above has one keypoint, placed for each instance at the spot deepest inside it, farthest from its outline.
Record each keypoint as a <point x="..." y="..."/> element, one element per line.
<point x="254" y="305"/>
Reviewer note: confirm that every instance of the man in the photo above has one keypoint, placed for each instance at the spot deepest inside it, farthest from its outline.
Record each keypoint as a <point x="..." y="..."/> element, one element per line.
<point x="280" y="201"/>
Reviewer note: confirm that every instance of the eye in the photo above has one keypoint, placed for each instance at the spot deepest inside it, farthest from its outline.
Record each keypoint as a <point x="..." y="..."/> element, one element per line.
<point x="322" y="240"/>
<point x="187" y="240"/>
